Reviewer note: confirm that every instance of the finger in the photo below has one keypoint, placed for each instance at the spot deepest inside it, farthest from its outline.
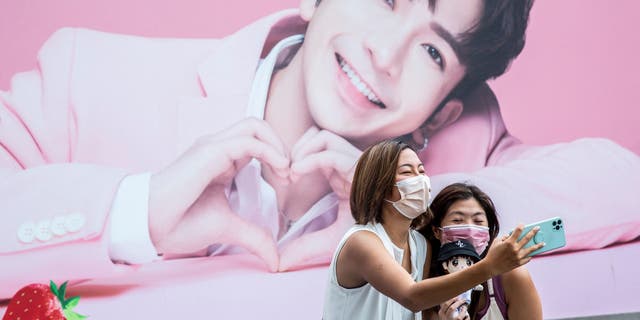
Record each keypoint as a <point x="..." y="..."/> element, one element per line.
<point x="253" y="127"/>
<point x="305" y="251"/>
<point x="302" y="146"/>
<point x="253" y="238"/>
<point x="524" y="261"/>
<point x="448" y="307"/>
<point x="242" y="148"/>
<point x="515" y="235"/>
<point x="527" y="237"/>
<point x="341" y="185"/>
<point x="452" y="311"/>
<point x="327" y="161"/>
<point x="213" y="156"/>
<point x="199" y="166"/>
<point x="456" y="304"/>
<point x="304" y="140"/>
<point x="528" y="251"/>
<point x="324" y="140"/>
<point x="445" y="305"/>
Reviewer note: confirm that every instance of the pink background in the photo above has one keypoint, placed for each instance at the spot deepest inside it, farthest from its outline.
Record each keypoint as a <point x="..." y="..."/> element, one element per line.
<point x="577" y="76"/>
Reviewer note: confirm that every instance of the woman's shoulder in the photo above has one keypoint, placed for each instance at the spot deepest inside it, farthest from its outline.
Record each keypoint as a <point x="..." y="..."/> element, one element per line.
<point x="520" y="294"/>
<point x="516" y="280"/>
<point x="516" y="275"/>
<point x="363" y="245"/>
<point x="362" y="235"/>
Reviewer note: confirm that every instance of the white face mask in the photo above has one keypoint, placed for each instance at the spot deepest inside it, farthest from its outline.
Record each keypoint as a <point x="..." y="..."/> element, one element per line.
<point x="415" y="193"/>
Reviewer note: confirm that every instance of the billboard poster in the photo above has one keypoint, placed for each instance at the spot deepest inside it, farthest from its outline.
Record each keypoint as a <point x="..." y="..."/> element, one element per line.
<point x="174" y="159"/>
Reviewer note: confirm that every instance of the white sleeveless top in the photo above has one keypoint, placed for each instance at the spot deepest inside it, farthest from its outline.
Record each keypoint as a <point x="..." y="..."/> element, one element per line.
<point x="493" y="312"/>
<point x="366" y="302"/>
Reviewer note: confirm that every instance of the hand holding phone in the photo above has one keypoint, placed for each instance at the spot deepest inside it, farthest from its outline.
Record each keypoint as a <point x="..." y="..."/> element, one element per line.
<point x="551" y="233"/>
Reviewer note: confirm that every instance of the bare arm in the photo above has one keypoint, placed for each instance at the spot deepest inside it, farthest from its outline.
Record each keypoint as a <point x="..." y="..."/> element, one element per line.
<point x="364" y="259"/>
<point x="522" y="297"/>
<point x="427" y="313"/>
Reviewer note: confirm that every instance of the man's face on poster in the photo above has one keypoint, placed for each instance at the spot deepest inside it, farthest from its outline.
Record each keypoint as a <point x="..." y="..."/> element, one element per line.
<point x="381" y="64"/>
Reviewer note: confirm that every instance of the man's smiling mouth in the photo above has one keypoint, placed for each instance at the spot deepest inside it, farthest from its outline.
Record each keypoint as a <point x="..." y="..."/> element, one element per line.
<point x="358" y="83"/>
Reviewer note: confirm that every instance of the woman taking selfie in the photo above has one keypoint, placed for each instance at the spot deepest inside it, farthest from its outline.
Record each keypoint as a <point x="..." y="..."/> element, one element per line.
<point x="377" y="270"/>
<point x="463" y="211"/>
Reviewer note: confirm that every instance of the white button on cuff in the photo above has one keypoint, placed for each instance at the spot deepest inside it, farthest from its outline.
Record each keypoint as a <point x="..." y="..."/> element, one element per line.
<point x="57" y="226"/>
<point x="26" y="232"/>
<point x="43" y="233"/>
<point x="74" y="222"/>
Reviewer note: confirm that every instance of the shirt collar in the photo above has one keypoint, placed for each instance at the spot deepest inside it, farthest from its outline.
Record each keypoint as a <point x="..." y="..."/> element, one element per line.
<point x="231" y="66"/>
<point x="277" y="58"/>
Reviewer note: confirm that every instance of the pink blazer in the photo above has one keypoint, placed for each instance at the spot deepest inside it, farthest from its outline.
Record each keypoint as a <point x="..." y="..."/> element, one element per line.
<point x="101" y="106"/>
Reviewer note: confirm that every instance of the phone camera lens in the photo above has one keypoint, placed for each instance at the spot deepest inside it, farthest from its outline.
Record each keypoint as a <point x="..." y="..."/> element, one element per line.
<point x="557" y="227"/>
<point x="553" y="223"/>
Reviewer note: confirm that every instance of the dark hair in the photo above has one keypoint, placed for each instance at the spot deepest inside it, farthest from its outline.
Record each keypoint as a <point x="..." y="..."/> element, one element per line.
<point x="439" y="207"/>
<point x="454" y="193"/>
<point x="441" y="204"/>
<point x="488" y="48"/>
<point x="373" y="181"/>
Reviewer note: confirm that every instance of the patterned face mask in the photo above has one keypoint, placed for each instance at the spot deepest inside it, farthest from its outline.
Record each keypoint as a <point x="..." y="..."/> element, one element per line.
<point x="477" y="235"/>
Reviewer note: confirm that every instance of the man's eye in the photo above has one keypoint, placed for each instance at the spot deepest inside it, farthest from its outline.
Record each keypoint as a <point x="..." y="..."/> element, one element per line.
<point x="390" y="3"/>
<point x="469" y="263"/>
<point x="434" y="54"/>
<point x="454" y="262"/>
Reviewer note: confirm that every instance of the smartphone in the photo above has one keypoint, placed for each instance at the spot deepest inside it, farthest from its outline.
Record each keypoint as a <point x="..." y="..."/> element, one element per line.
<point x="551" y="233"/>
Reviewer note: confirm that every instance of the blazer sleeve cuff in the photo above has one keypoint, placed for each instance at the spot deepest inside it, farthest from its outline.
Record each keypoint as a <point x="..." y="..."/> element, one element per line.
<point x="129" y="240"/>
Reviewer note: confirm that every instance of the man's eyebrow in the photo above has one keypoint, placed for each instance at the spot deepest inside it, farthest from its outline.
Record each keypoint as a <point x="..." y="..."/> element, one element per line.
<point x="454" y="43"/>
<point x="444" y="33"/>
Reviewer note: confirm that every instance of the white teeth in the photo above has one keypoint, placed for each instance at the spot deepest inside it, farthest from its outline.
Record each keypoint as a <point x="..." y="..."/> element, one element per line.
<point x="358" y="83"/>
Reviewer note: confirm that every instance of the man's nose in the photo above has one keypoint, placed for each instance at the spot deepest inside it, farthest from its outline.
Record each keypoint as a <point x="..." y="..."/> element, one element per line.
<point x="388" y="45"/>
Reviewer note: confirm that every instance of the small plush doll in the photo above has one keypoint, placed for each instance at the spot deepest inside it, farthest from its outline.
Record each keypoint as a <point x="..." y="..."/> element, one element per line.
<point x="455" y="256"/>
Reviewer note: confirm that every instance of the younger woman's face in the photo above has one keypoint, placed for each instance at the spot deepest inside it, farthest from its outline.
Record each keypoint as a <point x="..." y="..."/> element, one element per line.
<point x="466" y="211"/>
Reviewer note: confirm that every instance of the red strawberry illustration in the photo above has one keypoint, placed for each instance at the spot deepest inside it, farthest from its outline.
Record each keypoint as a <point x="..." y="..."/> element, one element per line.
<point x="39" y="301"/>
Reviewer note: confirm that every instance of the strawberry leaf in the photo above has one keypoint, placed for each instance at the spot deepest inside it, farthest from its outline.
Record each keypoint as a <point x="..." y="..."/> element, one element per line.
<point x="71" y="303"/>
<point x="62" y="291"/>
<point x="70" y="315"/>
<point x="53" y="287"/>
